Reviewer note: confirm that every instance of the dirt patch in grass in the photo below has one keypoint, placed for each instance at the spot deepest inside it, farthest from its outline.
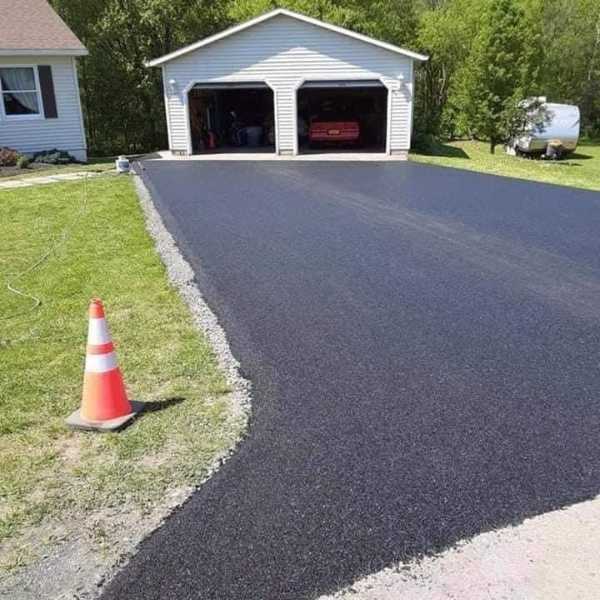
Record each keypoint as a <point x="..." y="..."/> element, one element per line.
<point x="73" y="505"/>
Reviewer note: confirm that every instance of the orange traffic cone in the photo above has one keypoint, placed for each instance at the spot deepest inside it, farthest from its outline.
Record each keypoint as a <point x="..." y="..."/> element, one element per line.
<point x="104" y="406"/>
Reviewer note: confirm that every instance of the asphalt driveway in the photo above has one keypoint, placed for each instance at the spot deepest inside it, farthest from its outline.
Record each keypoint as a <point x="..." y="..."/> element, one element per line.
<point x="423" y="345"/>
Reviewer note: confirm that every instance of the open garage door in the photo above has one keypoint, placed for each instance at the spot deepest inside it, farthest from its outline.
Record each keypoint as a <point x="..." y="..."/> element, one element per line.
<point x="342" y="116"/>
<point x="232" y="117"/>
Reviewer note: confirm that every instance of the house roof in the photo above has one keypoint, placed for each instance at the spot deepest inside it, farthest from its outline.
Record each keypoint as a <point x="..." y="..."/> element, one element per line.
<point x="288" y="13"/>
<point x="31" y="27"/>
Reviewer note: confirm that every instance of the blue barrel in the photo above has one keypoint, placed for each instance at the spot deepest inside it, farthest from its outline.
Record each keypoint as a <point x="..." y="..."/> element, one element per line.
<point x="253" y="136"/>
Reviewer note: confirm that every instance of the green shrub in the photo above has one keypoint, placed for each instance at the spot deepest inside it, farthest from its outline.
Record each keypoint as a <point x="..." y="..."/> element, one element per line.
<point x="8" y="157"/>
<point x="53" y="157"/>
<point x="23" y="162"/>
<point x="426" y="143"/>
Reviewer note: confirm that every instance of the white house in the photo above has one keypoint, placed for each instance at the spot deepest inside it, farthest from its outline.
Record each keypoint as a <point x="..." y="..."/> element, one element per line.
<point x="39" y="105"/>
<point x="276" y="76"/>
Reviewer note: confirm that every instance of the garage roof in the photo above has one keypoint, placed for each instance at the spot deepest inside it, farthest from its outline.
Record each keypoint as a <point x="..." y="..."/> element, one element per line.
<point x="282" y="11"/>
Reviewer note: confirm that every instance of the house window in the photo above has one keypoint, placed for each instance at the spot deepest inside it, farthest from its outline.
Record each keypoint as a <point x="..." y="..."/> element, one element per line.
<point x="20" y="91"/>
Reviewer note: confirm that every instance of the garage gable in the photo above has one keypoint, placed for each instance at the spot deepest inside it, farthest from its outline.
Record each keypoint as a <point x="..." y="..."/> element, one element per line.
<point x="290" y="14"/>
<point x="283" y="47"/>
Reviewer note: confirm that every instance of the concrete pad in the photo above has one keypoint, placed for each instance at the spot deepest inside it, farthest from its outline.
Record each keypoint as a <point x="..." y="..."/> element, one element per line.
<point x="76" y="421"/>
<point x="68" y="177"/>
<point x="42" y="180"/>
<point x="258" y="156"/>
<point x="13" y="184"/>
<point x="45" y="179"/>
<point x="555" y="556"/>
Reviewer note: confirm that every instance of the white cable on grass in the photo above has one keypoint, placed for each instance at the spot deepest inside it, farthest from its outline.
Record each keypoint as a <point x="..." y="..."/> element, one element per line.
<point x="62" y="238"/>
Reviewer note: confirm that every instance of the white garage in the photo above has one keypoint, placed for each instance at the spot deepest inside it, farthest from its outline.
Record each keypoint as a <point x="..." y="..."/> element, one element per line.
<point x="288" y="84"/>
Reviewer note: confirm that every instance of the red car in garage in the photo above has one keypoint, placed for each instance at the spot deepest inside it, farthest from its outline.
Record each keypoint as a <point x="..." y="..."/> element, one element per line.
<point x="333" y="131"/>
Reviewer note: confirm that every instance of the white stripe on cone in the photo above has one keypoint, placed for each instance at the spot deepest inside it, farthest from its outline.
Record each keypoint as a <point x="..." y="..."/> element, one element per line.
<point x="100" y="363"/>
<point x="98" y="332"/>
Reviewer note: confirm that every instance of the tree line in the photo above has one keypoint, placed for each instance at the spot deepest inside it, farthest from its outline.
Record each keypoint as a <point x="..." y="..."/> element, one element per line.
<point x="485" y="57"/>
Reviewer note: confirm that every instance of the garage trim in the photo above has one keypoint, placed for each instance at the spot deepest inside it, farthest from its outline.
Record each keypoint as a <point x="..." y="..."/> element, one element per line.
<point x="224" y="85"/>
<point x="333" y="80"/>
<point x="342" y="83"/>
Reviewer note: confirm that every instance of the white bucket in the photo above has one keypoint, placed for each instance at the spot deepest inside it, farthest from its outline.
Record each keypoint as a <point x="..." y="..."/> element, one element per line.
<point x="122" y="164"/>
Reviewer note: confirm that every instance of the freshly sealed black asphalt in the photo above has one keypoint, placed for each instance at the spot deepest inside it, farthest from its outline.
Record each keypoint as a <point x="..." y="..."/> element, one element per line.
<point x="423" y="347"/>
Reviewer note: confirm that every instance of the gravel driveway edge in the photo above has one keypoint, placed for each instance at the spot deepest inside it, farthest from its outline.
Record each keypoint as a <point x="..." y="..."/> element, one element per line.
<point x="181" y="276"/>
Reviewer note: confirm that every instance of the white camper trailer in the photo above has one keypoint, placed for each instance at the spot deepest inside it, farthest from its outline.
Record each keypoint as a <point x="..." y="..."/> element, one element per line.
<point x="553" y="130"/>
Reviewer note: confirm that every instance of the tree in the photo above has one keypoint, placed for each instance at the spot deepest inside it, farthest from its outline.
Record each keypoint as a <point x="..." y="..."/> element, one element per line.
<point x="571" y="69"/>
<point x="501" y="71"/>
<point x="445" y="33"/>
<point x="122" y="98"/>
<point x="352" y="14"/>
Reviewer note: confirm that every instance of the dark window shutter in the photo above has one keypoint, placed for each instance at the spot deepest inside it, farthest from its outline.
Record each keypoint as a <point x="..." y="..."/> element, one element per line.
<point x="48" y="97"/>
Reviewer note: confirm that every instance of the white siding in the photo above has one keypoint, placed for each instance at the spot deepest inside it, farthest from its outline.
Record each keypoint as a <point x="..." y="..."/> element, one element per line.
<point x="65" y="132"/>
<point x="284" y="52"/>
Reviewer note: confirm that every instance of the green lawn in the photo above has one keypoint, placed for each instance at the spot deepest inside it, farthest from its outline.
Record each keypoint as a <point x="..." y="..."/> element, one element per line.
<point x="96" y="245"/>
<point x="581" y="169"/>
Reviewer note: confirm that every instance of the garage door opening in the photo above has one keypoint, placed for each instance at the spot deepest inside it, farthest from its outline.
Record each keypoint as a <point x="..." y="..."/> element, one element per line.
<point x="232" y="118"/>
<point x="342" y="116"/>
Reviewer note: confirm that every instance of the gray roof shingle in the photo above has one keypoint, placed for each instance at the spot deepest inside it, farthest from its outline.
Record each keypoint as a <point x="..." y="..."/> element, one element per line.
<point x="32" y="26"/>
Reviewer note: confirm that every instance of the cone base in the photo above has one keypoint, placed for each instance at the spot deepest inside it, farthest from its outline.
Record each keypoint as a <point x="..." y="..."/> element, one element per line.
<point x="76" y="421"/>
